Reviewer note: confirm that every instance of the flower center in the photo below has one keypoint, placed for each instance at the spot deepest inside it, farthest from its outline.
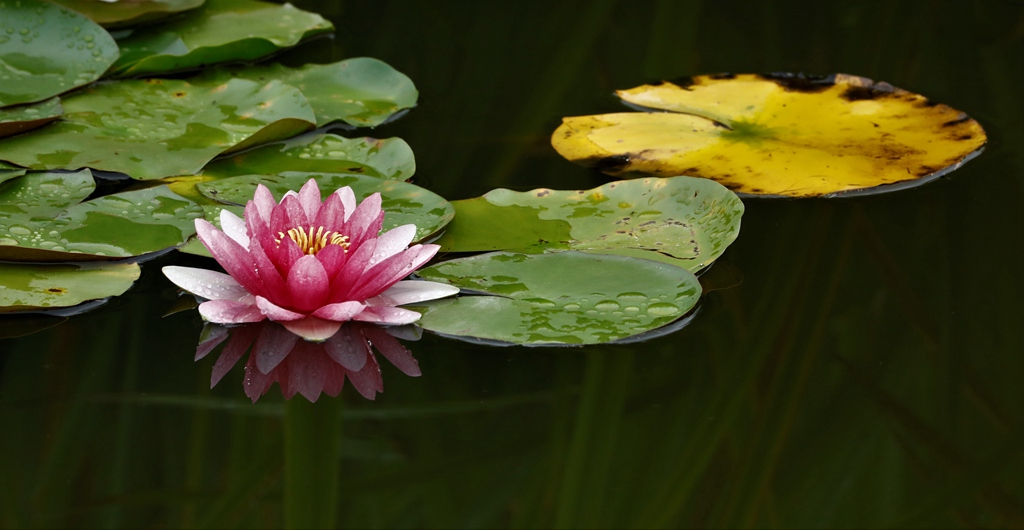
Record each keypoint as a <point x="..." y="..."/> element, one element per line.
<point x="312" y="241"/>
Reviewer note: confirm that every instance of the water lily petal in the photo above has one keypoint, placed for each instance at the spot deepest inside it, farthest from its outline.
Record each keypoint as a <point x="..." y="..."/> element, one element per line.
<point x="308" y="284"/>
<point x="392" y="242"/>
<point x="255" y="382"/>
<point x="309" y="198"/>
<point x="232" y="256"/>
<point x="340" y="312"/>
<point x="230" y="311"/>
<point x="348" y="200"/>
<point x="412" y="291"/>
<point x="263" y="203"/>
<point x="272" y="346"/>
<point x="205" y="283"/>
<point x="275" y="312"/>
<point x="307" y="372"/>
<point x="335" y="380"/>
<point x="345" y="281"/>
<point x="393" y="351"/>
<point x="363" y="222"/>
<point x="268" y="273"/>
<point x="234" y="227"/>
<point x="387" y="315"/>
<point x="331" y="215"/>
<point x="241" y="339"/>
<point x="348" y="348"/>
<point x="312" y="328"/>
<point x="287" y="215"/>
<point x="367" y="381"/>
<point x="333" y="258"/>
<point x="387" y="273"/>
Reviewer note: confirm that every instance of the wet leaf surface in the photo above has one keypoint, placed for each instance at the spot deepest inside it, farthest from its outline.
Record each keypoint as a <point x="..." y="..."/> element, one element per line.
<point x="780" y="135"/>
<point x="361" y="92"/>
<point x="128" y="12"/>
<point x="390" y="158"/>
<point x="403" y="203"/>
<point x="22" y="118"/>
<point x="557" y="298"/>
<point x="42" y="218"/>
<point x="220" y="31"/>
<point x="154" y="128"/>
<point x="683" y="221"/>
<point x="46" y="50"/>
<point x="35" y="287"/>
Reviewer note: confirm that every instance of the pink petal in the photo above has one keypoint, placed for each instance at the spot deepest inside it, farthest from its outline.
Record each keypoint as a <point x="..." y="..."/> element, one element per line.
<point x="307" y="371"/>
<point x="340" y="312"/>
<point x="267" y="271"/>
<point x="287" y="215"/>
<point x="275" y="312"/>
<point x="241" y="339"/>
<point x="263" y="203"/>
<point x="309" y="198"/>
<point x="368" y="381"/>
<point x="412" y="291"/>
<point x="205" y="283"/>
<point x="233" y="257"/>
<point x="344" y="282"/>
<point x="234" y="227"/>
<point x="392" y="242"/>
<point x="387" y="315"/>
<point x="272" y="346"/>
<point x="333" y="258"/>
<point x="230" y="311"/>
<point x="256" y="383"/>
<point x="390" y="271"/>
<point x="361" y="224"/>
<point x="348" y="200"/>
<point x="308" y="285"/>
<point x="335" y="379"/>
<point x="348" y="348"/>
<point x="331" y="215"/>
<point x="393" y="351"/>
<point x="313" y="328"/>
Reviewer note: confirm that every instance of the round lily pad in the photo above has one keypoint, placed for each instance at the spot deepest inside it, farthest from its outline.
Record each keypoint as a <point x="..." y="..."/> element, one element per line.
<point x="403" y="203"/>
<point x="220" y="31"/>
<point x="777" y="135"/>
<point x="315" y="152"/>
<point x="21" y="118"/>
<point x="128" y="12"/>
<point x="47" y="49"/>
<point x="361" y="92"/>
<point x="156" y="128"/>
<point x="42" y="218"/>
<point x="36" y="287"/>
<point x="557" y="298"/>
<point x="682" y="221"/>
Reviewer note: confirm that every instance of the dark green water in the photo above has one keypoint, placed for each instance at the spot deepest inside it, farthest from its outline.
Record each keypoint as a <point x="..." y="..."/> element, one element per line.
<point x="867" y="372"/>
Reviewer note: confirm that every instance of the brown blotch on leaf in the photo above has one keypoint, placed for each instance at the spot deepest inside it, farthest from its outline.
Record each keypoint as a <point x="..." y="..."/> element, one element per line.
<point x="958" y="121"/>
<point x="56" y="290"/>
<point x="859" y="93"/>
<point x="801" y="82"/>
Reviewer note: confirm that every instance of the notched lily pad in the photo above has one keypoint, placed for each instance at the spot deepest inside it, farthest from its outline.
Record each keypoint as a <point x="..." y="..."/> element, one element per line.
<point x="403" y="203"/>
<point x="35" y="287"/>
<point x="157" y="128"/>
<point x="42" y="218"/>
<point x="390" y="158"/>
<point x="21" y="118"/>
<point x="121" y="13"/>
<point x="778" y="135"/>
<point x="569" y="298"/>
<point x="220" y="31"/>
<point x="683" y="221"/>
<point x="362" y="92"/>
<point x="47" y="49"/>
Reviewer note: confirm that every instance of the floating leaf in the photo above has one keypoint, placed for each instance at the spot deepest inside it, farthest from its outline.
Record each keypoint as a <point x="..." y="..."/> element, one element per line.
<point x="362" y="92"/>
<point x="7" y="172"/>
<point x="778" y="135"/>
<point x="403" y="203"/>
<point x="557" y="298"/>
<point x="391" y="158"/>
<point x="220" y="31"/>
<point x="683" y="221"/>
<point x="35" y="287"/>
<point x="21" y="118"/>
<point x="42" y="219"/>
<point x="157" y="128"/>
<point x="46" y="50"/>
<point x="123" y="13"/>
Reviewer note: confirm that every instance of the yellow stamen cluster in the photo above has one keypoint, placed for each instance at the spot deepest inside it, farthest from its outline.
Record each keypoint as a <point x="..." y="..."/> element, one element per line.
<point x="313" y="241"/>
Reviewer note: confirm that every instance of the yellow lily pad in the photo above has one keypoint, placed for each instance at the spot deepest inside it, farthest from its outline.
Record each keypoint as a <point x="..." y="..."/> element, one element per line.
<point x="777" y="135"/>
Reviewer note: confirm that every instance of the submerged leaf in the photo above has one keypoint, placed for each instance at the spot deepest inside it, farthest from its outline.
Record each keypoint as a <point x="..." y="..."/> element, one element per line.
<point x="21" y="118"/>
<point x="35" y="287"/>
<point x="779" y="135"/>
<point x="123" y="13"/>
<point x="683" y="221"/>
<point x="42" y="219"/>
<point x="557" y="298"/>
<point x="220" y="31"/>
<point x="46" y="50"/>
<point x="361" y="92"/>
<point x="156" y="128"/>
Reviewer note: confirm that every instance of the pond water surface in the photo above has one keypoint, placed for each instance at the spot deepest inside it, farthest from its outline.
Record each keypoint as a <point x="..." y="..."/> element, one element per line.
<point x="861" y="367"/>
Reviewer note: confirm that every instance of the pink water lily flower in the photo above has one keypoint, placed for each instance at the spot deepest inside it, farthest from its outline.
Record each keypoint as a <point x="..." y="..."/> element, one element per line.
<point x="309" y="265"/>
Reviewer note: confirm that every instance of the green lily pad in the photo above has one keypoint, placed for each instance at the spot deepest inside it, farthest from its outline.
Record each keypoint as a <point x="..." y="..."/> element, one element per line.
<point x="35" y="287"/>
<point x="21" y="118"/>
<point x="42" y="218"/>
<point x="361" y="92"/>
<point x="157" y="128"/>
<point x="220" y="31"/>
<point x="390" y="158"/>
<point x="403" y="203"/>
<point x="7" y="172"/>
<point x="683" y="221"/>
<point x="46" y="50"/>
<point x="129" y="12"/>
<point x="557" y="298"/>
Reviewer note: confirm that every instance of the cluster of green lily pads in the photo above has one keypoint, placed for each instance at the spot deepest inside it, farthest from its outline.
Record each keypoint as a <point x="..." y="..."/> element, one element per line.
<point x="80" y="103"/>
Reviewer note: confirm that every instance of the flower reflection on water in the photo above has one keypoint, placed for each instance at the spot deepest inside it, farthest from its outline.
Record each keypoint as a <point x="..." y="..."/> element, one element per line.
<point x="304" y="367"/>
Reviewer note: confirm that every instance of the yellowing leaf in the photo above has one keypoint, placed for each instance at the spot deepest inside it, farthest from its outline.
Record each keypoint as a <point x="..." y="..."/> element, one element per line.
<point x="778" y="135"/>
